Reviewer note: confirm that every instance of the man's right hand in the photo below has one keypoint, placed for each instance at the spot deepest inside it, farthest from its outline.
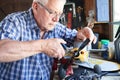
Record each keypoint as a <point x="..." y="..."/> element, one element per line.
<point x="53" y="47"/>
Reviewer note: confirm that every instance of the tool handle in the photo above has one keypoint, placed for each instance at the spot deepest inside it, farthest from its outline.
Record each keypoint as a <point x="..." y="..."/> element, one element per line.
<point x="81" y="47"/>
<point x="64" y="46"/>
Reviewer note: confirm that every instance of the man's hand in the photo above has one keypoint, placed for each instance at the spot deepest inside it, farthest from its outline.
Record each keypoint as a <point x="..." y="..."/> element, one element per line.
<point x="86" y="33"/>
<point x="53" y="47"/>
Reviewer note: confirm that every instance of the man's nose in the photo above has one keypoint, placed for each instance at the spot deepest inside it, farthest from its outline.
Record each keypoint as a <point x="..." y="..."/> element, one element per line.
<point x="56" y="18"/>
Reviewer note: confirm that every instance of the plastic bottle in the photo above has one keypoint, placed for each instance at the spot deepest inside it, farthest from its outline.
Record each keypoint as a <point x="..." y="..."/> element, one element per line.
<point x="104" y="45"/>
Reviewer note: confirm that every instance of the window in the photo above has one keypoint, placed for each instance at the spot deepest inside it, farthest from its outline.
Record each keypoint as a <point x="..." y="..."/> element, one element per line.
<point x="116" y="16"/>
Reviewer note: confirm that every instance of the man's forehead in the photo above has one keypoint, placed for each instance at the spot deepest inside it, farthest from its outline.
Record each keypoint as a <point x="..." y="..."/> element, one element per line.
<point x="56" y="5"/>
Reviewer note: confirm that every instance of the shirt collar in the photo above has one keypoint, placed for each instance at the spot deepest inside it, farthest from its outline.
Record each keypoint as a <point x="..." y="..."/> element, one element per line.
<point x="32" y="19"/>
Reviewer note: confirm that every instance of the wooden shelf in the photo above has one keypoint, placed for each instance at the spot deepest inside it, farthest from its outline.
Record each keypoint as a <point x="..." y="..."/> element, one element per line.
<point x="101" y="22"/>
<point x="104" y="29"/>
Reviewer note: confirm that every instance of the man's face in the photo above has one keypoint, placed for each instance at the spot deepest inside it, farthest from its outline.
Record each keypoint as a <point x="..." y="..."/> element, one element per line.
<point x="47" y="15"/>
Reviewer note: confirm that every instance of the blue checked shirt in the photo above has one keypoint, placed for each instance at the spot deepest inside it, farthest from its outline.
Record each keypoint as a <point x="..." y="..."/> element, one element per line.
<point x="22" y="26"/>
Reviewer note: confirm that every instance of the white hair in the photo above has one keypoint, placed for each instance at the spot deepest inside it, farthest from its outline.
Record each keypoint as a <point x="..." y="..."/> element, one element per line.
<point x="41" y="1"/>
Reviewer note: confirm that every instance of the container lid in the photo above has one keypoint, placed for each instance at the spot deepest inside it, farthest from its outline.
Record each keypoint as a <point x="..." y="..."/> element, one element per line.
<point x="104" y="41"/>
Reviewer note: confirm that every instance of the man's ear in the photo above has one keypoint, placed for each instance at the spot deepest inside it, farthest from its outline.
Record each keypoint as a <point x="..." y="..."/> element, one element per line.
<point x="34" y="5"/>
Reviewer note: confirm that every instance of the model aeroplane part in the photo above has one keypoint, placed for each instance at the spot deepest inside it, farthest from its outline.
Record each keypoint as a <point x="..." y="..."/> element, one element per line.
<point x="83" y="56"/>
<point x="76" y="54"/>
<point x="97" y="69"/>
<point x="81" y="47"/>
<point x="63" y="67"/>
<point x="83" y="73"/>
